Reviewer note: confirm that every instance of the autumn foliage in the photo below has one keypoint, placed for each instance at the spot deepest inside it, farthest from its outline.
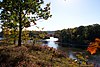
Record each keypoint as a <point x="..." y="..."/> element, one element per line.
<point x="94" y="46"/>
<point x="34" y="56"/>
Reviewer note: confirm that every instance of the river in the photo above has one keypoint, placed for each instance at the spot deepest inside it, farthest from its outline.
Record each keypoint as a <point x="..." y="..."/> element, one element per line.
<point x="71" y="52"/>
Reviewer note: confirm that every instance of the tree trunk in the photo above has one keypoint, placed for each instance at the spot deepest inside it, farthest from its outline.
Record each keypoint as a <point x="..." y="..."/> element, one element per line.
<point x="14" y="37"/>
<point x="20" y="25"/>
<point x="20" y="31"/>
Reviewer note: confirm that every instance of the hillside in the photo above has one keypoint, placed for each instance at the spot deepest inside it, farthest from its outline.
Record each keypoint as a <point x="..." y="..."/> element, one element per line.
<point x="34" y="56"/>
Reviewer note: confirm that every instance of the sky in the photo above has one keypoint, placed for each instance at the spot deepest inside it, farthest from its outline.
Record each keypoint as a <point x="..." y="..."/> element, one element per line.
<point x="70" y="14"/>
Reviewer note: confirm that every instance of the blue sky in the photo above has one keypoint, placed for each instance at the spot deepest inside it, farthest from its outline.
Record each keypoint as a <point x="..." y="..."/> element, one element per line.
<point x="71" y="13"/>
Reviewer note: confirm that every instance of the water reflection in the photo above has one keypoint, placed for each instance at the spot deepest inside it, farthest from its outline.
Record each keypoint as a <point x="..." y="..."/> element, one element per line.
<point x="52" y="39"/>
<point x="69" y="51"/>
<point x="71" y="55"/>
<point x="51" y="42"/>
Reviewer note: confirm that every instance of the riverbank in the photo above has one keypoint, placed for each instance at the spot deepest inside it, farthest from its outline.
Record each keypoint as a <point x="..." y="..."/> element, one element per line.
<point x="35" y="56"/>
<point x="73" y="45"/>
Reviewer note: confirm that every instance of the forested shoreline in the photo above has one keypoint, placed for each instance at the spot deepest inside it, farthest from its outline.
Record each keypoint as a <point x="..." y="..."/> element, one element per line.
<point x="78" y="36"/>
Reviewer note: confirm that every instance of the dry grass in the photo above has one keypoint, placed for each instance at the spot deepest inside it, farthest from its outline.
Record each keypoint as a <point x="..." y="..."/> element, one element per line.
<point x="34" y="56"/>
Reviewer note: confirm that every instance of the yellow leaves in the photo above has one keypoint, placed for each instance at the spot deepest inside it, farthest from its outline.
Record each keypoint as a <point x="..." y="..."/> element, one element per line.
<point x="25" y="36"/>
<point x="80" y="56"/>
<point x="42" y="35"/>
<point x="6" y="31"/>
<point x="93" y="46"/>
<point x="97" y="39"/>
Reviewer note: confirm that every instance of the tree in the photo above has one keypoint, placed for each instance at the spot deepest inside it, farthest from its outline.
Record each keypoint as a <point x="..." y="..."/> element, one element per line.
<point x="25" y="36"/>
<point x="94" y="46"/>
<point x="10" y="36"/>
<point x="16" y="12"/>
<point x="6" y="33"/>
<point x="79" y="36"/>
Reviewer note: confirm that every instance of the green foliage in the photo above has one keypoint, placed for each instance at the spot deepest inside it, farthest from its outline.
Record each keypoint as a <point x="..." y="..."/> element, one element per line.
<point x="81" y="35"/>
<point x="25" y="36"/>
<point x="37" y="35"/>
<point x="16" y="13"/>
<point x="10" y="36"/>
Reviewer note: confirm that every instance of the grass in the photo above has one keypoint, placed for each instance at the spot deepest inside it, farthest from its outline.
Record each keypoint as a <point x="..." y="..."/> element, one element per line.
<point x="34" y="56"/>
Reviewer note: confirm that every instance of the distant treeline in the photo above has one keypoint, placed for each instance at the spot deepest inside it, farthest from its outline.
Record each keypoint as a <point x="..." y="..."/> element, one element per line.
<point x="37" y="34"/>
<point x="81" y="35"/>
<point x="31" y="33"/>
<point x="11" y="36"/>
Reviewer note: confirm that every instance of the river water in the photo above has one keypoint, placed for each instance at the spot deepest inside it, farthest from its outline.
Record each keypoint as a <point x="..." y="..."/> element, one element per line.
<point x="71" y="52"/>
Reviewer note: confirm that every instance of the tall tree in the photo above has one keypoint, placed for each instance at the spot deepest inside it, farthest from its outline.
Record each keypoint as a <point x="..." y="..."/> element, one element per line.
<point x="17" y="12"/>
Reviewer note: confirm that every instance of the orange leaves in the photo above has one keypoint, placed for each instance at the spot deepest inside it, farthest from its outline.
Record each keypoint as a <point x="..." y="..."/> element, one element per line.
<point x="93" y="46"/>
<point x="92" y="50"/>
